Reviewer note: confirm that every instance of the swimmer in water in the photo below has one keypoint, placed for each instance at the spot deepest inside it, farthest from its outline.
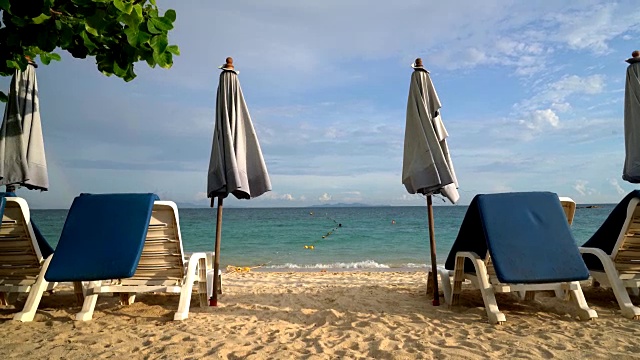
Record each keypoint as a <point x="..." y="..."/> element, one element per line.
<point x="393" y="222"/>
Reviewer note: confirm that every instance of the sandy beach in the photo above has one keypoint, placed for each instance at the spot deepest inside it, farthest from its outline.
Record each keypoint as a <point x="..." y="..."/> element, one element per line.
<point x="321" y="315"/>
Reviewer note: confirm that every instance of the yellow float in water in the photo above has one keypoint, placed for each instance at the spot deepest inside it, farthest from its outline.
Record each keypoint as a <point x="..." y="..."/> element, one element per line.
<point x="310" y="247"/>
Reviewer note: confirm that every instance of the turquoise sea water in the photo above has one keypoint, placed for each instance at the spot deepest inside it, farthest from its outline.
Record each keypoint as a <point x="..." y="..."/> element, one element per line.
<point x="367" y="239"/>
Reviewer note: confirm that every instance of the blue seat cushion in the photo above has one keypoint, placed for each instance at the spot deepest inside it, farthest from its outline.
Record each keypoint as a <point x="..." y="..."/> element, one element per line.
<point x="607" y="234"/>
<point x="102" y="237"/>
<point x="45" y="248"/>
<point x="526" y="234"/>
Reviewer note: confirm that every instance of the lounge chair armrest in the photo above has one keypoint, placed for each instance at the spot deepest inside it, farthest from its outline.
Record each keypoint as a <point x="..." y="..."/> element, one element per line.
<point x="469" y="254"/>
<point x="192" y="263"/>
<point x="599" y="253"/>
<point x="605" y="259"/>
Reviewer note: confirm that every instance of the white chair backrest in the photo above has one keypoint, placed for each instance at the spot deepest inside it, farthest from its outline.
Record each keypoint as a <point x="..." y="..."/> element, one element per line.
<point x="626" y="253"/>
<point x="162" y="258"/>
<point x="569" y="207"/>
<point x="20" y="255"/>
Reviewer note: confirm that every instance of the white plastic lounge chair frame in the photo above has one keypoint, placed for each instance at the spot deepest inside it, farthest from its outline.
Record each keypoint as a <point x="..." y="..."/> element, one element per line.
<point x="485" y="279"/>
<point x="161" y="268"/>
<point x="22" y="266"/>
<point x="622" y="268"/>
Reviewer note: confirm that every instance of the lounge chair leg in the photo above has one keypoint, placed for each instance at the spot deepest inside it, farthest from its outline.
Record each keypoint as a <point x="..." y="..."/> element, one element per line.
<point x="4" y="299"/>
<point x="127" y="298"/>
<point x="560" y="294"/>
<point x="622" y="296"/>
<point x="445" y="281"/>
<point x="488" y="295"/>
<point x="77" y="289"/>
<point x="458" y="278"/>
<point x="613" y="277"/>
<point x="33" y="300"/>
<point x="187" y="287"/>
<point x="528" y="295"/>
<point x="89" y="304"/>
<point x="584" y="312"/>
<point x="624" y="301"/>
<point x="202" y="282"/>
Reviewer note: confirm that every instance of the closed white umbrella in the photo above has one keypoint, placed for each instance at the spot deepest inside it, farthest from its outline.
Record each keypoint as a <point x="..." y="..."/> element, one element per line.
<point x="236" y="166"/>
<point x="427" y="168"/>
<point x="22" y="156"/>
<point x="631" y="170"/>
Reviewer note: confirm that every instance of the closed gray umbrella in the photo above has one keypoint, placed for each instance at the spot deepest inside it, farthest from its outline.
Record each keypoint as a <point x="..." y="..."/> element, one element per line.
<point x="427" y="168"/>
<point x="236" y="166"/>
<point x="631" y="170"/>
<point x="22" y="157"/>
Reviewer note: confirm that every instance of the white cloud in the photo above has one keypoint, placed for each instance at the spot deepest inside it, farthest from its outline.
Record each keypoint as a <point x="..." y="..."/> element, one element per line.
<point x="557" y="93"/>
<point x="591" y="28"/>
<point x="561" y="106"/>
<point x="581" y="187"/>
<point x="540" y="119"/>
<point x="325" y="197"/>
<point x="273" y="195"/>
<point x="616" y="186"/>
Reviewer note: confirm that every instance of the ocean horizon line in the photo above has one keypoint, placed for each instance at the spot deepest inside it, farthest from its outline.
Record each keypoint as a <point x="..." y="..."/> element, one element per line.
<point x="191" y="206"/>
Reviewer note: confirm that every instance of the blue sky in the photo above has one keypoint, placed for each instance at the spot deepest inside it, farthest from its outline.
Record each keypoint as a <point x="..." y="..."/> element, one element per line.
<point x="532" y="96"/>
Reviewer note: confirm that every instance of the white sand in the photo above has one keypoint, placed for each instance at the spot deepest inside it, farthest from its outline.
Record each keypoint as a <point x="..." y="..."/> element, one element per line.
<point x="321" y="315"/>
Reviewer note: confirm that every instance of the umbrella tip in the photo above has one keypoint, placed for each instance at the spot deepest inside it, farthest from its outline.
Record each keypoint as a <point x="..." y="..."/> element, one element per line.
<point x="228" y="63"/>
<point x="418" y="62"/>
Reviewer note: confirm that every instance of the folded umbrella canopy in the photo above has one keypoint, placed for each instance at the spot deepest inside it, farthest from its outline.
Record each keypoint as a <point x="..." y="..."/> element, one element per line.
<point x="427" y="167"/>
<point x="22" y="157"/>
<point x="631" y="170"/>
<point x="236" y="166"/>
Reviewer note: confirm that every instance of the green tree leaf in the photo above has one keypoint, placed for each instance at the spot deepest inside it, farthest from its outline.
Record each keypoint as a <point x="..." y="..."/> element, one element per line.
<point x="164" y="60"/>
<point x="161" y="23"/>
<point x="159" y="43"/>
<point x="118" y="71"/>
<point x="173" y="49"/>
<point x="45" y="58"/>
<point x="123" y="5"/>
<point x="152" y="28"/>
<point x="133" y="19"/>
<point x="170" y="15"/>
<point x="87" y="42"/>
<point x="40" y="19"/>
<point x="90" y="30"/>
<point x="97" y="21"/>
<point x="4" y="5"/>
<point x="136" y="37"/>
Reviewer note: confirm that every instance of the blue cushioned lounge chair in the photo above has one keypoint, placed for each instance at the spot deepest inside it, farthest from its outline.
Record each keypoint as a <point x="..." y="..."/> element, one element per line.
<point x="612" y="254"/>
<point x="516" y="242"/>
<point x="127" y="244"/>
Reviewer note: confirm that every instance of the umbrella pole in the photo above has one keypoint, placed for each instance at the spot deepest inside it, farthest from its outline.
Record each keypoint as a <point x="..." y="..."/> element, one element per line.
<point x="432" y="243"/>
<point x="213" y="301"/>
